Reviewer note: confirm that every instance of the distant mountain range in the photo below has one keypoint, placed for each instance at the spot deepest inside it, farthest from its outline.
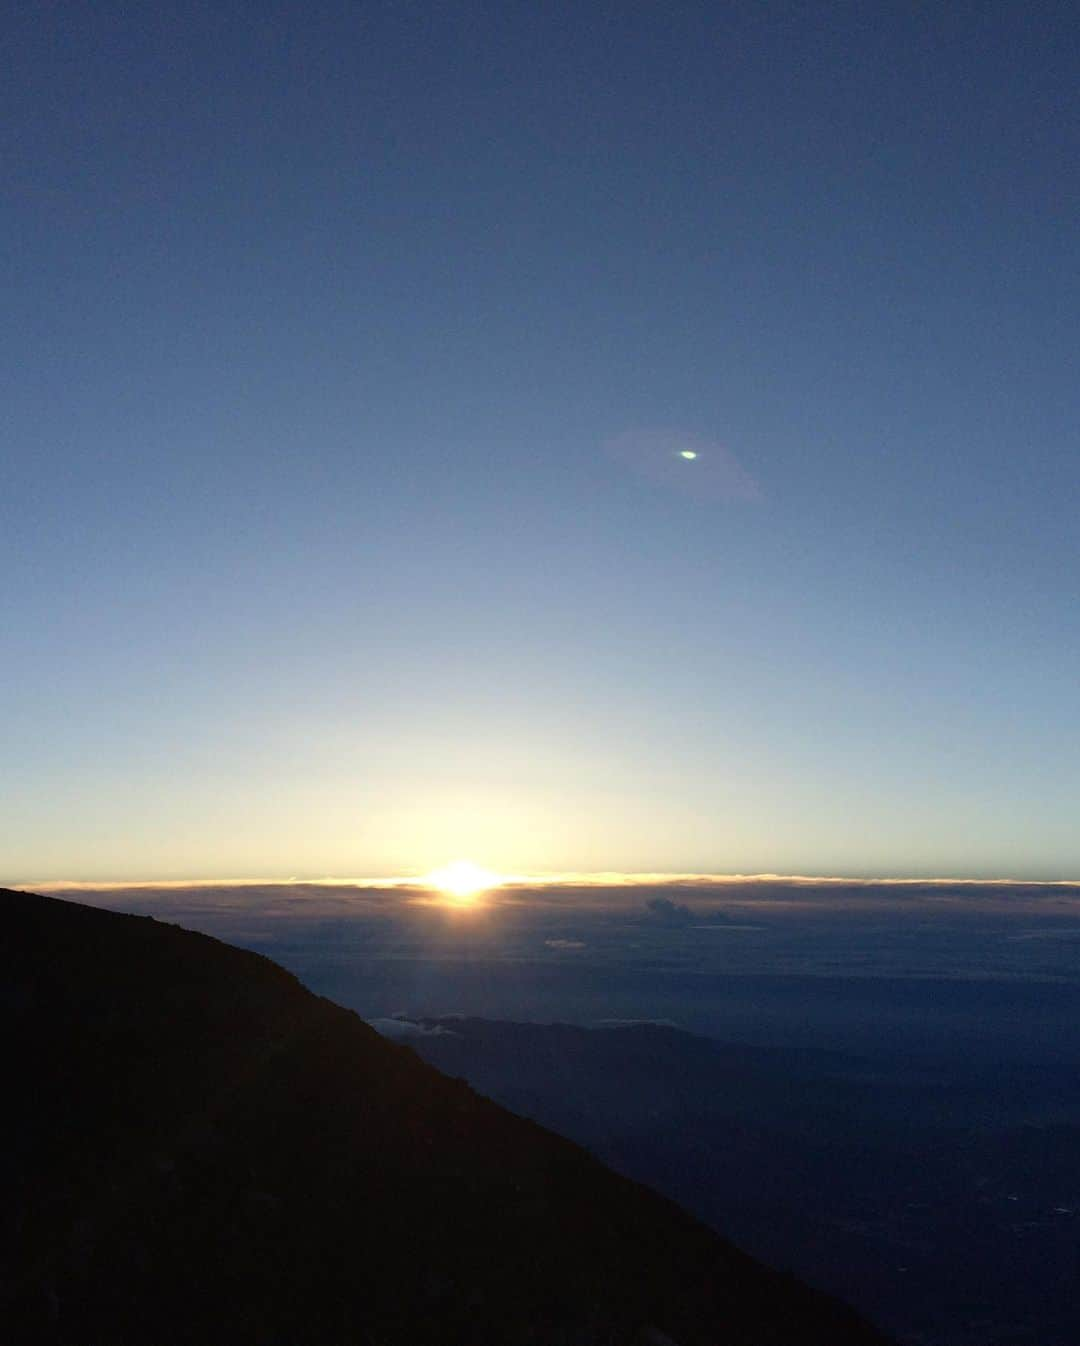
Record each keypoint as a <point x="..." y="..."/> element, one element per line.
<point x="942" y="1198"/>
<point x="198" y="1150"/>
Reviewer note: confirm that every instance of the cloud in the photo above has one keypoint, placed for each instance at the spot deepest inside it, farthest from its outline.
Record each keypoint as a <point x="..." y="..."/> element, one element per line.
<point x="400" y="1030"/>
<point x="571" y="944"/>
<point x="565" y="906"/>
<point x="684" y="462"/>
<point x="1072" y="935"/>
<point x="666" y="911"/>
<point x="663" y="911"/>
<point x="634" y="1023"/>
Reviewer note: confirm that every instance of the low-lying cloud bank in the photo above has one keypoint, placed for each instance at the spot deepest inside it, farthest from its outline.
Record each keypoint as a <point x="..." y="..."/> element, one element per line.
<point x="401" y="1029"/>
<point x="610" y="946"/>
<point x="659" y="899"/>
<point x="567" y="913"/>
<point x="694" y="923"/>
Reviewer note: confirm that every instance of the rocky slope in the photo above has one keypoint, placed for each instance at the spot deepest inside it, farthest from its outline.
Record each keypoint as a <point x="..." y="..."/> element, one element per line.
<point x="198" y="1150"/>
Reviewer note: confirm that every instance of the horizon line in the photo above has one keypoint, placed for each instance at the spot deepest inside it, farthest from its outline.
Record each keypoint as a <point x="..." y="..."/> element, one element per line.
<point x="556" y="879"/>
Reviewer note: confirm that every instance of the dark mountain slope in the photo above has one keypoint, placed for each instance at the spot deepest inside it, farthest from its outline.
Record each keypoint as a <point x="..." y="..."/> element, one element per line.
<point x="198" y="1150"/>
<point x="944" y="1202"/>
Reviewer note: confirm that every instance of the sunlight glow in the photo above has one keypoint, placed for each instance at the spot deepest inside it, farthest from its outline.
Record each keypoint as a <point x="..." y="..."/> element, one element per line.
<point x="461" y="879"/>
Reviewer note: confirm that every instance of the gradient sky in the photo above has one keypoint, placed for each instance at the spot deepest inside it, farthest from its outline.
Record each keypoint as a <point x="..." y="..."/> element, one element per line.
<point x="347" y="347"/>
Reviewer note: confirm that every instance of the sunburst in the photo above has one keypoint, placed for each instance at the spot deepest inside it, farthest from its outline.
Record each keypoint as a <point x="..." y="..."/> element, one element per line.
<point x="461" y="880"/>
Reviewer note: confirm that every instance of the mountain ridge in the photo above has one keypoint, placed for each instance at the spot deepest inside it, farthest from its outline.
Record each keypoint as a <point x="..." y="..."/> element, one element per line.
<point x="200" y="1149"/>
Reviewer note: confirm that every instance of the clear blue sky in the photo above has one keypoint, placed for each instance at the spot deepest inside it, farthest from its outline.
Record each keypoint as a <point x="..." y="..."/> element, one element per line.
<point x="319" y="319"/>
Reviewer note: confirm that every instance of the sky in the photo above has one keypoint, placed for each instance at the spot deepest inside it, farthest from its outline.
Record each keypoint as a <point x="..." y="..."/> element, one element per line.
<point x="349" y="357"/>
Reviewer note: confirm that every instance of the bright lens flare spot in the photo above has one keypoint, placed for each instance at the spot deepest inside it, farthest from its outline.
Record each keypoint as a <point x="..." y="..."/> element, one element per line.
<point x="688" y="454"/>
<point x="461" y="880"/>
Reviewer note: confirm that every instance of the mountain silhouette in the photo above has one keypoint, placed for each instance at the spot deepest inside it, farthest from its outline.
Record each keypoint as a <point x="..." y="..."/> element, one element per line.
<point x="196" y="1149"/>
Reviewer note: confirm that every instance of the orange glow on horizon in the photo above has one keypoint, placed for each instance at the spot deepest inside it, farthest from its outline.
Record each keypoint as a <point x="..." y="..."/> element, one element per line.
<point x="462" y="880"/>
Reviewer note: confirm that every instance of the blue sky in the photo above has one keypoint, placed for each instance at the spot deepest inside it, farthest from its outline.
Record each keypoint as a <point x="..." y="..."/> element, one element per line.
<point x="315" y="553"/>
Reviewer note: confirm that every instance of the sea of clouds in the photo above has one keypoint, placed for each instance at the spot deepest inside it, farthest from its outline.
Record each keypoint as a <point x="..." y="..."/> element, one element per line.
<point x="771" y="959"/>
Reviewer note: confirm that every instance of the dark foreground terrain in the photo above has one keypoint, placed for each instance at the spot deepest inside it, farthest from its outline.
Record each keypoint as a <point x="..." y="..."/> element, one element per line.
<point x="940" y="1196"/>
<point x="196" y="1149"/>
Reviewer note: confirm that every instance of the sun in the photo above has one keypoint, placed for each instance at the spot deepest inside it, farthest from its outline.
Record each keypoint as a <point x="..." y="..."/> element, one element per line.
<point x="461" y="880"/>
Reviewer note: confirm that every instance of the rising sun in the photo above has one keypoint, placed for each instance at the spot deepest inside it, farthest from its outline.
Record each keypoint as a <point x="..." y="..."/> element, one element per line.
<point x="461" y="879"/>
